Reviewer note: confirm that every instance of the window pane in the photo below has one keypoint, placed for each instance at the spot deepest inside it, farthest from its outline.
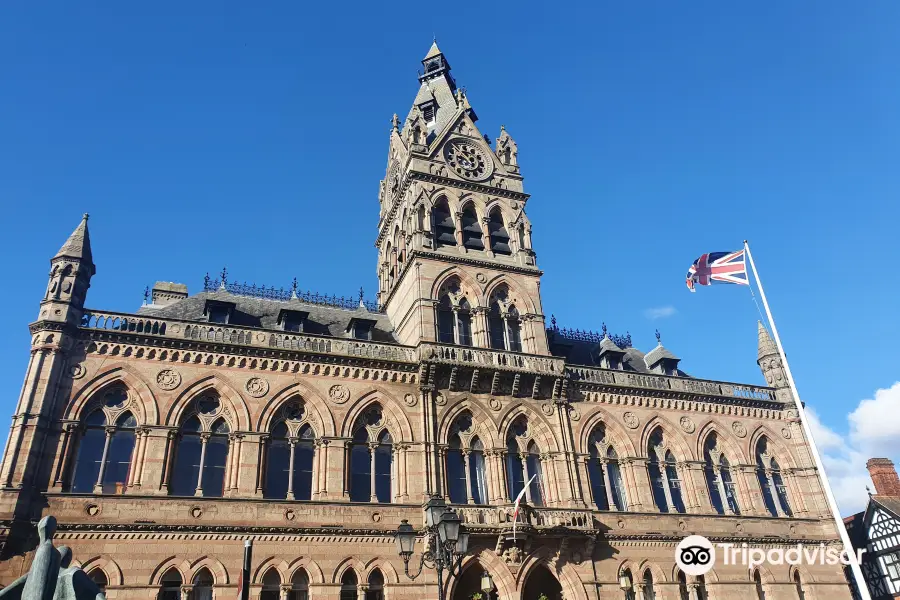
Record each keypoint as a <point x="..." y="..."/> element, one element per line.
<point x="464" y="324"/>
<point x="214" y="466"/>
<point x="277" y="469"/>
<point x="187" y="466"/>
<point x="495" y="324"/>
<point x="618" y="489"/>
<point x="766" y="492"/>
<point x="656" y="480"/>
<point x="303" y="471"/>
<point x="383" y="473"/>
<point x="713" y="484"/>
<point x="456" y="477"/>
<point x="598" y="487"/>
<point x="118" y="461"/>
<point x="515" y="477"/>
<point x="87" y="465"/>
<point x="476" y="475"/>
<point x="445" y="326"/>
<point x="534" y="468"/>
<point x="515" y="338"/>
<point x="360" y="474"/>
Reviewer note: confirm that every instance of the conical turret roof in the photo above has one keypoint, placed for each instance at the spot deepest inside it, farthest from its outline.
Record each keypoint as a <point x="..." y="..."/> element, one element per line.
<point x="767" y="346"/>
<point x="78" y="245"/>
<point x="433" y="51"/>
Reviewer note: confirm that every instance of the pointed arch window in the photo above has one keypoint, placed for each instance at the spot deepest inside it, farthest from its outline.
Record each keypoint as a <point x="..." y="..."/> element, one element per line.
<point x="466" y="482"/>
<point x="649" y="590"/>
<point x="375" y="589"/>
<point x="271" y="585"/>
<point x="98" y="576"/>
<point x="521" y="466"/>
<point x="682" y="586"/>
<point x="170" y="585"/>
<point x="663" y="472"/>
<point x="202" y="585"/>
<point x="103" y="460"/>
<point x="299" y="586"/>
<point x="202" y="451"/>
<point x="798" y="586"/>
<point x="498" y="233"/>
<point x="471" y="229"/>
<point x="604" y="473"/>
<point x="768" y="473"/>
<point x="717" y="469"/>
<point x="757" y="584"/>
<point x="504" y="325"/>
<point x="349" y="585"/>
<point x="454" y="315"/>
<point x="701" y="588"/>
<point x="290" y="463"/>
<point x="371" y="459"/>
<point x="627" y="583"/>
<point x="444" y="227"/>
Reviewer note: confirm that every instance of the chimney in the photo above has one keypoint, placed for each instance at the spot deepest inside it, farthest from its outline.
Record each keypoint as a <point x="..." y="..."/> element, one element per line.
<point x="884" y="476"/>
<point x="166" y="293"/>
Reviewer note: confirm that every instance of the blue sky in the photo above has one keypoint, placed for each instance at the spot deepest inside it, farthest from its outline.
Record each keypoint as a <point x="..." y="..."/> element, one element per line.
<point x="207" y="134"/>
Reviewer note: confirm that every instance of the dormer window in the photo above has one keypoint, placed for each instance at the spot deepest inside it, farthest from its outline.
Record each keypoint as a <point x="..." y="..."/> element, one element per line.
<point x="292" y="320"/>
<point x="428" y="113"/>
<point x="360" y="329"/>
<point x="218" y="312"/>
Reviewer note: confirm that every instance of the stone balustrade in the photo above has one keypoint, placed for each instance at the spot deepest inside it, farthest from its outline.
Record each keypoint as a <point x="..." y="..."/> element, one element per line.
<point x="493" y="359"/>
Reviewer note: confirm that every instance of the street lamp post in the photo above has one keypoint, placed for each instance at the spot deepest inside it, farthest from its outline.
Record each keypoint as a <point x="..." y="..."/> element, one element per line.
<point x="447" y="541"/>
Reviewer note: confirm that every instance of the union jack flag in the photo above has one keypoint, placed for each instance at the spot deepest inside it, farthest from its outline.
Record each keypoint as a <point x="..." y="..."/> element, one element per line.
<point x="718" y="267"/>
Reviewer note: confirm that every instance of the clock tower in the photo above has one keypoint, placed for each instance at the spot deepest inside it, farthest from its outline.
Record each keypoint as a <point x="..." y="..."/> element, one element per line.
<point x="455" y="262"/>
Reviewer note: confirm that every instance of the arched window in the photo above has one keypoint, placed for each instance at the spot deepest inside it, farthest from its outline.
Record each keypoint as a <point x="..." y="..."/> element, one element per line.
<point x="271" y="585"/>
<point x="798" y="586"/>
<point x="471" y="229"/>
<point x="202" y="452"/>
<point x="348" y="585"/>
<point x="757" y="583"/>
<point x="649" y="591"/>
<point x="465" y="463"/>
<point x="627" y="583"/>
<point x="533" y="464"/>
<point x="498" y="233"/>
<point x="515" y="464"/>
<point x="170" y="585"/>
<point x="663" y="472"/>
<point x="701" y="588"/>
<point x="289" y="460"/>
<point x="104" y="454"/>
<point x="603" y="472"/>
<point x="376" y="586"/>
<point x="203" y="585"/>
<point x="682" y="587"/>
<point x="718" y="478"/>
<point x="99" y="578"/>
<point x="444" y="227"/>
<point x="371" y="458"/>
<point x="504" y="327"/>
<point x="770" y="481"/>
<point x="299" y="586"/>
<point x="454" y="316"/>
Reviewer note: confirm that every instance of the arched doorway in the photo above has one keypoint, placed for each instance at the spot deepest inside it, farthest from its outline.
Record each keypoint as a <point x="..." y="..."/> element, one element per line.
<point x="541" y="582"/>
<point x="469" y="583"/>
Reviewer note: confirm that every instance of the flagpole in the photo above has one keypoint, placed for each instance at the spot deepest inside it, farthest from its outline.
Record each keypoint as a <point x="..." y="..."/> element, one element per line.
<point x="832" y="504"/>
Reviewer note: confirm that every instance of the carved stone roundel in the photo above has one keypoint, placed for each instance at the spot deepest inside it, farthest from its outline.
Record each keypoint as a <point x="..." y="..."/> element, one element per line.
<point x="440" y="399"/>
<point x="468" y="160"/>
<point x="168" y="379"/>
<point x="786" y="433"/>
<point x="410" y="399"/>
<point x="687" y="424"/>
<point x="631" y="420"/>
<point x="338" y="393"/>
<point x="547" y="408"/>
<point x="575" y="415"/>
<point x="77" y="371"/>
<point x="257" y="387"/>
<point x="739" y="429"/>
<point x="495" y="404"/>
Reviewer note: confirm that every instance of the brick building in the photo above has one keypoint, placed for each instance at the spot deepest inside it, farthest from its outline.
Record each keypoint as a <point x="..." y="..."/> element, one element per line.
<point x="163" y="438"/>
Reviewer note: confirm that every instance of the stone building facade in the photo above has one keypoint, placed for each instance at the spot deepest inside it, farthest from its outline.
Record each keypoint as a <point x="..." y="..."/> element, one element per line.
<point x="162" y="439"/>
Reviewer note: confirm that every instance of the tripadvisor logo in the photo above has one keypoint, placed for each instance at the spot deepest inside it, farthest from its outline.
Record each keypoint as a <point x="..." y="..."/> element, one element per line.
<point x="696" y="555"/>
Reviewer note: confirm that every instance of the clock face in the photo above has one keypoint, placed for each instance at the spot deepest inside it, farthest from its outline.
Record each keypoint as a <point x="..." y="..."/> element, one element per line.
<point x="468" y="160"/>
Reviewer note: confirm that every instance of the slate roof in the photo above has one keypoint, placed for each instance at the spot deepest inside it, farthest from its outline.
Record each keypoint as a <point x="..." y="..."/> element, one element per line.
<point x="657" y="354"/>
<point x="258" y="312"/>
<point x="578" y="352"/>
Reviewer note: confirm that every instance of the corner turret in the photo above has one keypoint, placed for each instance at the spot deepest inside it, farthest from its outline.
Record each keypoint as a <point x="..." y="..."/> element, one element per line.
<point x="769" y="361"/>
<point x="71" y="270"/>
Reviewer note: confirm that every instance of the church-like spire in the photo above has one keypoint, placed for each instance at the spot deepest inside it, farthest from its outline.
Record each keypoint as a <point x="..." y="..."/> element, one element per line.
<point x="78" y="246"/>
<point x="769" y="361"/>
<point x="433" y="51"/>
<point x="766" y="347"/>
<point x="436" y="65"/>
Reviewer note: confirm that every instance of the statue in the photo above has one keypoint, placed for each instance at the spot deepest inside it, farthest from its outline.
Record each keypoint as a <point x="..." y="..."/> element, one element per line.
<point x="50" y="576"/>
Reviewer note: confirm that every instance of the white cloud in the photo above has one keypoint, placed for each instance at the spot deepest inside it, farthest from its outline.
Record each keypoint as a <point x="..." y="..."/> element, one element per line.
<point x="873" y="431"/>
<point x="660" y="312"/>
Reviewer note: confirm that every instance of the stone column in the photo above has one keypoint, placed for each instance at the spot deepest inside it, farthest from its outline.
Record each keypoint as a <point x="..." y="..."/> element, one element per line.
<point x="457" y="221"/>
<point x="609" y="483"/>
<point x="469" y="498"/>
<point x="661" y="465"/>
<point x="69" y="440"/>
<point x="591" y="501"/>
<point x="263" y="461"/>
<point x="204" y="438"/>
<point x="404" y="476"/>
<point x="487" y="236"/>
<point x="372" y="447"/>
<point x="290" y="491"/>
<point x="110" y="431"/>
<point x="171" y="443"/>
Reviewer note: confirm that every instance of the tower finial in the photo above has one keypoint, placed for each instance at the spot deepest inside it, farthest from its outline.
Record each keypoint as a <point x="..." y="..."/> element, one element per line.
<point x="85" y="217"/>
<point x="146" y="294"/>
<point x="658" y="337"/>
